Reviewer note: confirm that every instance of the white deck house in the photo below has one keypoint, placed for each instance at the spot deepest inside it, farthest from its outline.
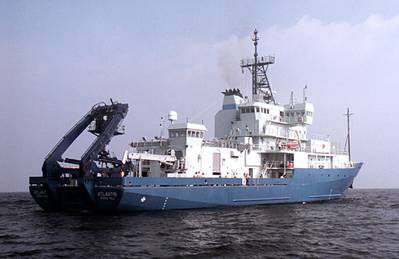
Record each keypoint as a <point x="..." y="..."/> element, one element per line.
<point x="252" y="139"/>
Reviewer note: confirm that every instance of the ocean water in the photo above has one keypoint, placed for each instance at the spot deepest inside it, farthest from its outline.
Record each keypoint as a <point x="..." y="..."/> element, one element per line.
<point x="365" y="224"/>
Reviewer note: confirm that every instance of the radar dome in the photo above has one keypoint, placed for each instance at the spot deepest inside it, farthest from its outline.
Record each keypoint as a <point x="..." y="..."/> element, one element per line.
<point x="172" y="116"/>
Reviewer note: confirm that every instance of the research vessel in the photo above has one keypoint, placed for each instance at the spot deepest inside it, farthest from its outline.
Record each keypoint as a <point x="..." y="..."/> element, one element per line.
<point x="260" y="154"/>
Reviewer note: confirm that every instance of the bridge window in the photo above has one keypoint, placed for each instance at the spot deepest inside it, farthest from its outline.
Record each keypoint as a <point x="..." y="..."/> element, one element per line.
<point x="190" y="133"/>
<point x="181" y="133"/>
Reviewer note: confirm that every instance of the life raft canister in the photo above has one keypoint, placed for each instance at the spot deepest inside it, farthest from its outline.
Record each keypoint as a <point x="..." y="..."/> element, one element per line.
<point x="290" y="164"/>
<point x="292" y="145"/>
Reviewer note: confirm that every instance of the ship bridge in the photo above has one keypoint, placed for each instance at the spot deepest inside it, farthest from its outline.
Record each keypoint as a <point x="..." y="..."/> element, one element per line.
<point x="185" y="136"/>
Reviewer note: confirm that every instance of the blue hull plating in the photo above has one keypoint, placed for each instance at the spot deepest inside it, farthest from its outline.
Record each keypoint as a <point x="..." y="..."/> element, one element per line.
<point x="307" y="185"/>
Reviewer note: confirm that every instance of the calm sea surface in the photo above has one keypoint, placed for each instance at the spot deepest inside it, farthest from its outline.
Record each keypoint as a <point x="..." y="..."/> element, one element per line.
<point x="365" y="224"/>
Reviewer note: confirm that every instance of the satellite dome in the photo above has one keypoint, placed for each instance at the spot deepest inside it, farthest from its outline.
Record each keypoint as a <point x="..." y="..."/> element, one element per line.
<point x="172" y="116"/>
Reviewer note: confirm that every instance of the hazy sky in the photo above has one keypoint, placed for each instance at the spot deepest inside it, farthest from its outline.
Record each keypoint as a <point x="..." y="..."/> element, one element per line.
<point x="57" y="59"/>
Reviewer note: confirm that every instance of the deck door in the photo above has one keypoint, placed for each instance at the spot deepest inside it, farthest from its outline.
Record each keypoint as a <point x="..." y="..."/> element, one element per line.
<point x="216" y="164"/>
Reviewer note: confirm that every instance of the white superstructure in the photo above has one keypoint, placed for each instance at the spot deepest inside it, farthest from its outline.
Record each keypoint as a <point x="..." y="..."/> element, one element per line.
<point x="254" y="137"/>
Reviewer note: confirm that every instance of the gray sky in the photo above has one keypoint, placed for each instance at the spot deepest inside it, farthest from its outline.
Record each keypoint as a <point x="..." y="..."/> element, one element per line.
<point x="57" y="59"/>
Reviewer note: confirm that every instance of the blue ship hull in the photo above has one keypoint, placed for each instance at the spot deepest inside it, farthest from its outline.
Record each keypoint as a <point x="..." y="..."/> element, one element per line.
<point x="136" y="194"/>
<point x="150" y="193"/>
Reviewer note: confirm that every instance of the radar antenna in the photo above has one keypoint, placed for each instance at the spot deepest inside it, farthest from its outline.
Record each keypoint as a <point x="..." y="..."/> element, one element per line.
<point x="348" y="136"/>
<point x="261" y="90"/>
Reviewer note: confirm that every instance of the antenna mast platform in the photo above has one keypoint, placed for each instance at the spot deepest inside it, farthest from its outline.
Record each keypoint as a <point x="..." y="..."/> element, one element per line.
<point x="261" y="90"/>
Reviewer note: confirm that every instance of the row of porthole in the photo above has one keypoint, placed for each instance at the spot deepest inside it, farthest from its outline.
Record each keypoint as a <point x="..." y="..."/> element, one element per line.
<point x="329" y="175"/>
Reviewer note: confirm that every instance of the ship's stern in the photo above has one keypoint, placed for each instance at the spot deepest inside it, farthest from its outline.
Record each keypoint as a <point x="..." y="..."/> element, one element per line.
<point x="59" y="194"/>
<point x="108" y="193"/>
<point x="43" y="192"/>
